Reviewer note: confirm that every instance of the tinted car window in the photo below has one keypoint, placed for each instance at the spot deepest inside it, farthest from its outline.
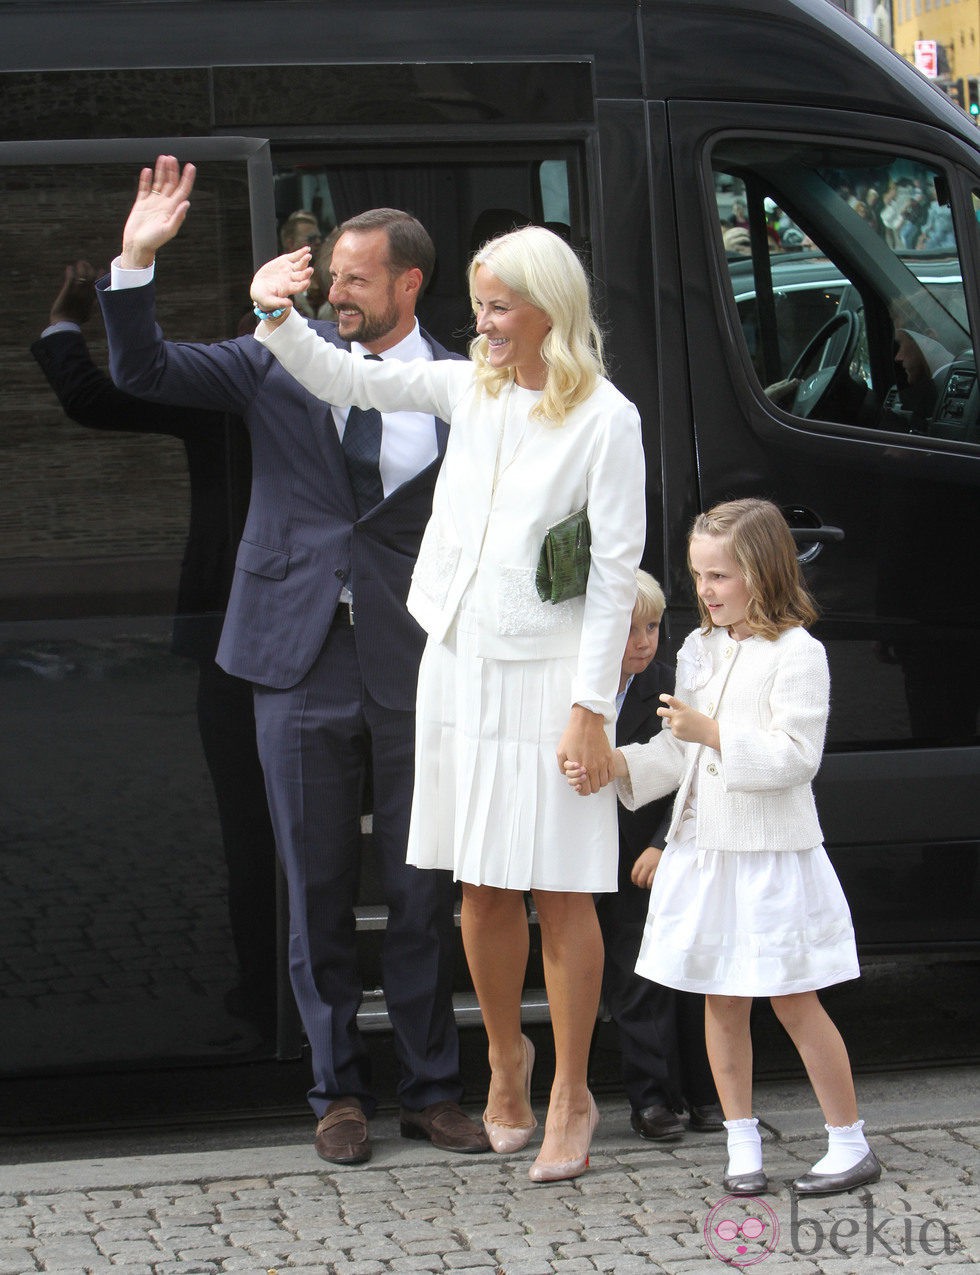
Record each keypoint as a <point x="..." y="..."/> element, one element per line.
<point x="845" y="272"/>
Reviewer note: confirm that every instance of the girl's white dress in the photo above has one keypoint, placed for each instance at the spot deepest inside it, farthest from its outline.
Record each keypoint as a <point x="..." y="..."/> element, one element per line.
<point x="745" y="901"/>
<point x="768" y="923"/>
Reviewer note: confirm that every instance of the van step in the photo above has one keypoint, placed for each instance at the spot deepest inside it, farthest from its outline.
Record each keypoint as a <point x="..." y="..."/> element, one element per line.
<point x="373" y="1014"/>
<point x="374" y="916"/>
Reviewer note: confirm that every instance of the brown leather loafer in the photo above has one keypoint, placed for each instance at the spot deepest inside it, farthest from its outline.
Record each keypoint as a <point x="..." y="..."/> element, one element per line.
<point x="657" y="1124"/>
<point x="446" y="1126"/>
<point x="342" y="1134"/>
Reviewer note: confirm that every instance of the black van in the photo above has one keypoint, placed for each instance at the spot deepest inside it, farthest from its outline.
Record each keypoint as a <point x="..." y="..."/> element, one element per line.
<point x="781" y="219"/>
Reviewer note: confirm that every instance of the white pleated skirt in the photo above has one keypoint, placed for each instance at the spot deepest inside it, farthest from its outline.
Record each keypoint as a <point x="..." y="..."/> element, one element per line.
<point x="750" y="923"/>
<point x="490" y="802"/>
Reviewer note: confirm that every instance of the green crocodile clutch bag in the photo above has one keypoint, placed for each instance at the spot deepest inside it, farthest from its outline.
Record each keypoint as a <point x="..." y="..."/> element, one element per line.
<point x="563" y="567"/>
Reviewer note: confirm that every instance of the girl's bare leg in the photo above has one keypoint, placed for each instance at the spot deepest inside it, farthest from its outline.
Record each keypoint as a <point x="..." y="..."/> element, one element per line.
<point x="847" y="1162"/>
<point x="728" y="1037"/>
<point x="824" y="1054"/>
<point x="729" y="1044"/>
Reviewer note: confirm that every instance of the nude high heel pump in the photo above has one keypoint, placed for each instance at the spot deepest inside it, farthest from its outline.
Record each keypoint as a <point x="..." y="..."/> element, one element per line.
<point x="505" y="1138"/>
<point x="561" y="1170"/>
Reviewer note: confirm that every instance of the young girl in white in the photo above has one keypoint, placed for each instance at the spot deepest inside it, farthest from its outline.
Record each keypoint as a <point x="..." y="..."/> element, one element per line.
<point x="745" y="901"/>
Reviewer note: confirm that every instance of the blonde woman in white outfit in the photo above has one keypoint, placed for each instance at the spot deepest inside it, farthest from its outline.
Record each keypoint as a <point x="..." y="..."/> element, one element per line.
<point x="508" y="681"/>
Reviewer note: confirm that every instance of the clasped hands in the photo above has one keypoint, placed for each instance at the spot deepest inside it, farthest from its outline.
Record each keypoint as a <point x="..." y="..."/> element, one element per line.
<point x="683" y="722"/>
<point x="585" y="749"/>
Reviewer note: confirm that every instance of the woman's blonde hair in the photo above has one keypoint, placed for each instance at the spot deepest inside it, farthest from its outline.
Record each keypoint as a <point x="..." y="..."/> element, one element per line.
<point x="540" y="267"/>
<point x="650" y="601"/>
<point x="759" y="541"/>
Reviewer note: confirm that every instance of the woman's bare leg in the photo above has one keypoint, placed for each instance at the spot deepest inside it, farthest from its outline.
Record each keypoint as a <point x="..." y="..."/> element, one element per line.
<point x="495" y="939"/>
<point x="571" y="945"/>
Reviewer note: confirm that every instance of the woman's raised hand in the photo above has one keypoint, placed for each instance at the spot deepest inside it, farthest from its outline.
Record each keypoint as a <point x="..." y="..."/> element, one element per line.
<point x="280" y="278"/>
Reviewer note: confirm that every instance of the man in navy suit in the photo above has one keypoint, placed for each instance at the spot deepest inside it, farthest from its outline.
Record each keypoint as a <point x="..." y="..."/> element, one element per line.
<point x="316" y="621"/>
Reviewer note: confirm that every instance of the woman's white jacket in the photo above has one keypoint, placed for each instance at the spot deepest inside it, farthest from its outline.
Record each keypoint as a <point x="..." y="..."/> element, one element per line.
<point x="770" y="700"/>
<point x="497" y="494"/>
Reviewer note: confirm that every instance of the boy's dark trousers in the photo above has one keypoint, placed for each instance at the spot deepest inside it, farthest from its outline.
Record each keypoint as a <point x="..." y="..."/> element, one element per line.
<point x="661" y="1032"/>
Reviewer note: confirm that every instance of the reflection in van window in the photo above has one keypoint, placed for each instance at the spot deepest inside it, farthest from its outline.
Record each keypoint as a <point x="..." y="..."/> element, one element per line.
<point x="845" y="273"/>
<point x="462" y="197"/>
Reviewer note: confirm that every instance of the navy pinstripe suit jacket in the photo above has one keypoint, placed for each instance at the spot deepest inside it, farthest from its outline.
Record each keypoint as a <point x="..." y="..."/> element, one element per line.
<point x="303" y="539"/>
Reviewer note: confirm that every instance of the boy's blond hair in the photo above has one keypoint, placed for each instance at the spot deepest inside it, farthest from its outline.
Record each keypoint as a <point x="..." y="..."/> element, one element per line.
<point x="650" y="601"/>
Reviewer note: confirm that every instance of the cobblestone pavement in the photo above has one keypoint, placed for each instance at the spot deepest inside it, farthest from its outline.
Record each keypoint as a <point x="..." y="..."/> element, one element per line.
<point x="252" y="1202"/>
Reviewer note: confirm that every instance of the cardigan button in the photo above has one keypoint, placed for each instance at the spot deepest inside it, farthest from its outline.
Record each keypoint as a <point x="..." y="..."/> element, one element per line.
<point x="711" y="707"/>
<point x="711" y="768"/>
<point x="729" y="652"/>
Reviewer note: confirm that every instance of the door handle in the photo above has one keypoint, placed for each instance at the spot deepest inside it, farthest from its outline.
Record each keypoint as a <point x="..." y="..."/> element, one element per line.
<point x="809" y="531"/>
<point x="816" y="535"/>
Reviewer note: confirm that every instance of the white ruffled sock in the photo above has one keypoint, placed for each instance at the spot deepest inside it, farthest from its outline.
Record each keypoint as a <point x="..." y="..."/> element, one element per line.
<point x="744" y="1147"/>
<point x="846" y="1147"/>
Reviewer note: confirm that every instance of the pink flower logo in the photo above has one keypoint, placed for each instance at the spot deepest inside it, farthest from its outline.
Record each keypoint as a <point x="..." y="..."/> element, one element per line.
<point x="741" y="1230"/>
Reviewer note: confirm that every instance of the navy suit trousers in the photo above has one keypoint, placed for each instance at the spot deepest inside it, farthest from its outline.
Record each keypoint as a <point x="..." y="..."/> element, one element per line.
<point x="316" y="741"/>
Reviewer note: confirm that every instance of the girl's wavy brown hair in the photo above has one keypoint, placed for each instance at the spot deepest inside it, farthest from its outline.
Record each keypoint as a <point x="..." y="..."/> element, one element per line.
<point x="759" y="541"/>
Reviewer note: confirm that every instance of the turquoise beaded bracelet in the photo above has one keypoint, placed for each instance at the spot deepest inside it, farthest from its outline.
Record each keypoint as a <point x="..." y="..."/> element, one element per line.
<point x="268" y="314"/>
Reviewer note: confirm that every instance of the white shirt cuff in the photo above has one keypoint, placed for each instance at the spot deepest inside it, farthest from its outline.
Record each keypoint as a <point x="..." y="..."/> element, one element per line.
<point x="120" y="278"/>
<point x="63" y="325"/>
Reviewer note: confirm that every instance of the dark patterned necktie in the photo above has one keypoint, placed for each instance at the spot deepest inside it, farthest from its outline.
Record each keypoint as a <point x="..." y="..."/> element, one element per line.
<point x="362" y="451"/>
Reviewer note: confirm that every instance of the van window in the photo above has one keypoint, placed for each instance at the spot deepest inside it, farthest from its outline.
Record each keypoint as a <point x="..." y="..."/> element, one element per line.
<point x="844" y="269"/>
<point x="461" y="197"/>
<point x="119" y="731"/>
